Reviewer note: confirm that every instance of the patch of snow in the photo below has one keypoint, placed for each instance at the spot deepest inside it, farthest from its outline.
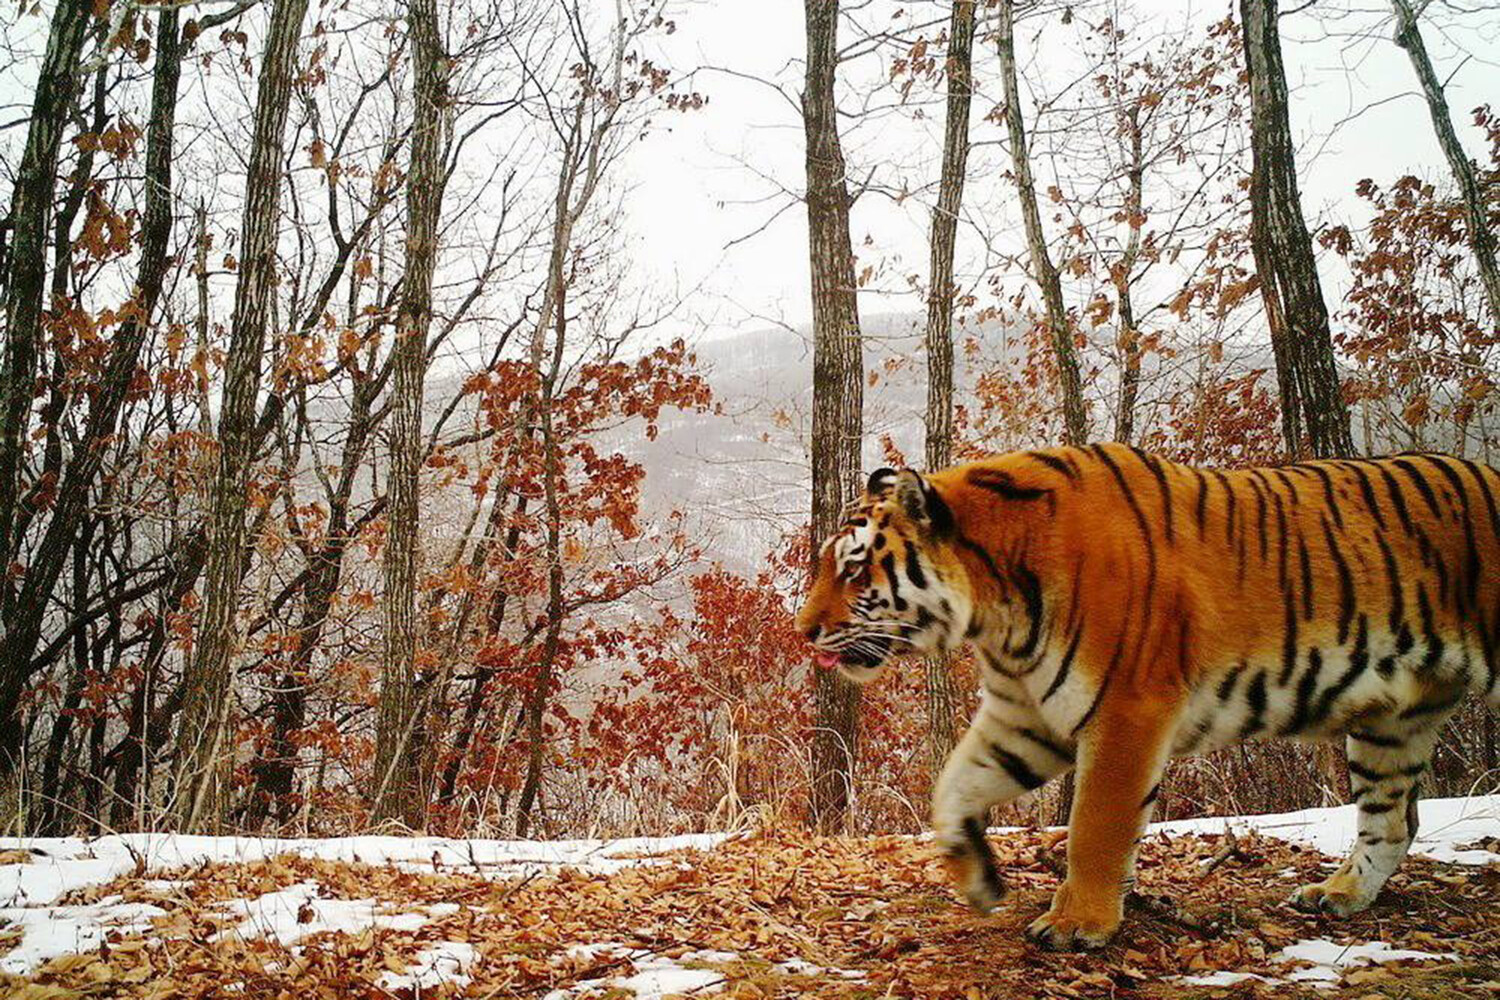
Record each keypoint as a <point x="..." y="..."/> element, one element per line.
<point x="63" y="864"/>
<point x="443" y="962"/>
<point x="595" y="951"/>
<point x="293" y="913"/>
<point x="47" y="932"/>
<point x="654" y="976"/>
<point x="1327" y="960"/>
<point x="1222" y="977"/>
<point x="1326" y="963"/>
<point x="800" y="967"/>
<point x="1444" y="824"/>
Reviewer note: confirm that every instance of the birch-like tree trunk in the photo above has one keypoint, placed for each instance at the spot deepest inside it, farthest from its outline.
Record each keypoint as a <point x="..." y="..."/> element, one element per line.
<point x="838" y="388"/>
<point x="398" y="793"/>
<point x="1315" y="420"/>
<point x="1043" y="270"/>
<point x="204" y="745"/>
<point x="1476" y="217"/>
<point x="942" y="698"/>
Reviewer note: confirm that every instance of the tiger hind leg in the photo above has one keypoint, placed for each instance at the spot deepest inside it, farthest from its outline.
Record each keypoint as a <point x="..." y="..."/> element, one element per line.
<point x="1385" y="769"/>
<point x="1006" y="753"/>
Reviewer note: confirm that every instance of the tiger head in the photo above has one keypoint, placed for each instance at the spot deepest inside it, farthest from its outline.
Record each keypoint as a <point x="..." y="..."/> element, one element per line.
<point x="887" y="581"/>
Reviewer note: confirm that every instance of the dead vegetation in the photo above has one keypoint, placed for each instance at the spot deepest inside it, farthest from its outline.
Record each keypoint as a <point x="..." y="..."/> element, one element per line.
<point x="783" y="914"/>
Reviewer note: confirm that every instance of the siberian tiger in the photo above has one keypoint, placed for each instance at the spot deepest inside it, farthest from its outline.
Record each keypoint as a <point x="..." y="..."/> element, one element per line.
<point x="1126" y="609"/>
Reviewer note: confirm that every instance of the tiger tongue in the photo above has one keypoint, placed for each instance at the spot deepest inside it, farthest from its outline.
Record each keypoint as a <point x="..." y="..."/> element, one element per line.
<point x="826" y="660"/>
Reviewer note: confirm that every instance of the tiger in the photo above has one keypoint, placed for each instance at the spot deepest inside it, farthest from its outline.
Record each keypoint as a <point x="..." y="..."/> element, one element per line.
<point x="1126" y="609"/>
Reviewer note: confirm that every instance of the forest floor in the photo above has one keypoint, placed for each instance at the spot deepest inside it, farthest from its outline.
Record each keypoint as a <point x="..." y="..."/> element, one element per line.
<point x="778" y="914"/>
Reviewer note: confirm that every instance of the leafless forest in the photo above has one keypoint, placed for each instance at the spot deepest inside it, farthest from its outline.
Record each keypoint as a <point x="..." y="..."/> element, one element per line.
<point x="356" y="471"/>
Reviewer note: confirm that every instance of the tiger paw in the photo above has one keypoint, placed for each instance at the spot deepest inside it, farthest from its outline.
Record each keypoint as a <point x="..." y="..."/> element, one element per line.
<point x="977" y="881"/>
<point x="984" y="895"/>
<point x="1061" y="931"/>
<point x="1339" y="895"/>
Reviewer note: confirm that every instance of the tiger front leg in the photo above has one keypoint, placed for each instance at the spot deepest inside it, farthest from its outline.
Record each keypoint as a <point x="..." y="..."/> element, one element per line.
<point x="1006" y="753"/>
<point x="1120" y="760"/>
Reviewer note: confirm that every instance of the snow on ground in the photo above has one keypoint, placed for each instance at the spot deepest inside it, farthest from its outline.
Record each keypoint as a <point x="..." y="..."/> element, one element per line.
<point x="293" y="913"/>
<point x="443" y="962"/>
<point x="1324" y="963"/>
<point x="1327" y="960"/>
<point x="59" y="865"/>
<point x="1445" y="828"/>
<point x="653" y="976"/>
<point x="62" y="864"/>
<point x="30" y="892"/>
<point x="47" y="932"/>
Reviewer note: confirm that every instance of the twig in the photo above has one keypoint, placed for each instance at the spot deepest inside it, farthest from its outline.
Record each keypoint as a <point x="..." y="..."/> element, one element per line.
<point x="1229" y="849"/>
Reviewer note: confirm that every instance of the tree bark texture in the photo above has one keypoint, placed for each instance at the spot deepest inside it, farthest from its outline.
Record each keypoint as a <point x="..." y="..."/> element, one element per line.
<point x="1043" y="271"/>
<point x="24" y="273"/>
<point x="398" y="793"/>
<point x="204" y="749"/>
<point x="838" y="389"/>
<point x="1476" y="218"/>
<point x="1122" y="274"/>
<point x="942" y="698"/>
<point x="1315" y="420"/>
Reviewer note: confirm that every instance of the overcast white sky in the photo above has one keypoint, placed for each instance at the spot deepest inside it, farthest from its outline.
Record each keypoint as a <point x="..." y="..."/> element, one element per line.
<point x="694" y="176"/>
<point x="702" y="181"/>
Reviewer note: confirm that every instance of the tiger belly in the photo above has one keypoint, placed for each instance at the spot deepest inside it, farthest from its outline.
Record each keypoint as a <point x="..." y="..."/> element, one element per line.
<point x="1388" y="685"/>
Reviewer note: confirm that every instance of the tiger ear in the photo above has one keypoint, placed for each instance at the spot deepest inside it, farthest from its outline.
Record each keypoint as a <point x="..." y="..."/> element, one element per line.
<point x="880" y="483"/>
<point x="922" y="503"/>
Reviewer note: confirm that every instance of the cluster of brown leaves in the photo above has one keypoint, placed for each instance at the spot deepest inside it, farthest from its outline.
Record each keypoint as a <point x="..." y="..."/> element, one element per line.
<point x="856" y="918"/>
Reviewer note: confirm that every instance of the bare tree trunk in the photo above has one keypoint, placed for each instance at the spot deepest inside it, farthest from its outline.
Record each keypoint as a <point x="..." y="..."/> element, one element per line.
<point x="50" y="823"/>
<point x="838" y="389"/>
<point x="942" y="697"/>
<point x="1481" y="236"/>
<point x="1315" y="419"/>
<point x="1122" y="274"/>
<point x="23" y="275"/>
<point x="555" y="318"/>
<point x="204" y="747"/>
<point x="397" y="792"/>
<point x="541" y="692"/>
<point x="1043" y="271"/>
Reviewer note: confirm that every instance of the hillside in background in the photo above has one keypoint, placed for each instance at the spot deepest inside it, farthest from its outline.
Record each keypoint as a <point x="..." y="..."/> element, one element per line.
<point x="742" y="471"/>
